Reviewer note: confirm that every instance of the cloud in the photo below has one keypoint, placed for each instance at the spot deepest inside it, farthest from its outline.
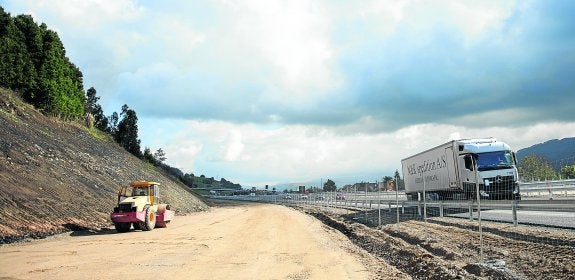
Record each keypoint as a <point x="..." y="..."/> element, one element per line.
<point x="439" y="66"/>
<point x="310" y="62"/>
<point x="235" y="147"/>
<point x="252" y="154"/>
<point x="86" y="15"/>
<point x="272" y="91"/>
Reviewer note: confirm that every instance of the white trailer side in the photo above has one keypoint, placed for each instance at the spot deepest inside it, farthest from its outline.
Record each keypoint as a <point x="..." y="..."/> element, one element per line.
<point x="435" y="167"/>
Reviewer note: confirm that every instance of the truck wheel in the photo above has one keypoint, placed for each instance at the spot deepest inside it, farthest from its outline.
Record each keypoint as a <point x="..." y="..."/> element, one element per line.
<point x="122" y="227"/>
<point x="150" y="219"/>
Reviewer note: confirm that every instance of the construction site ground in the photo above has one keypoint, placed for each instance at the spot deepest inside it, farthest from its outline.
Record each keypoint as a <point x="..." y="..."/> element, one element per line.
<point x="237" y="240"/>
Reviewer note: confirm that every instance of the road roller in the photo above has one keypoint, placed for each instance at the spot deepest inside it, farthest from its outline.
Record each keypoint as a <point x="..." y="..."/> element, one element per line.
<point x="139" y="207"/>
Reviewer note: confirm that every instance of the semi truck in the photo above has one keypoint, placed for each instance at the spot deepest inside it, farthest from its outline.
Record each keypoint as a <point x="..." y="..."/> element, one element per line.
<point x="455" y="169"/>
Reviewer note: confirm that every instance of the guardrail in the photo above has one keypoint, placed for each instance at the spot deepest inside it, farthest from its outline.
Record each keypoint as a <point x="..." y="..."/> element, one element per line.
<point x="545" y="185"/>
<point x="552" y="189"/>
<point x="555" y="213"/>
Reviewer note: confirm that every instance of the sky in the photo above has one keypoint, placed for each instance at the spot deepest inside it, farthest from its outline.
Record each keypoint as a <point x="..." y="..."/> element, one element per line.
<point x="286" y="91"/>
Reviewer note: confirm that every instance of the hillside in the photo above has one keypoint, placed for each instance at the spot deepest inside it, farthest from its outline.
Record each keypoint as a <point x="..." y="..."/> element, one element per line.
<point x="557" y="152"/>
<point x="57" y="176"/>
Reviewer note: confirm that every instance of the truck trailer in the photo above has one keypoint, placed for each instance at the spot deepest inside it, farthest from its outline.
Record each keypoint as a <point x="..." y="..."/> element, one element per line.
<point x="452" y="171"/>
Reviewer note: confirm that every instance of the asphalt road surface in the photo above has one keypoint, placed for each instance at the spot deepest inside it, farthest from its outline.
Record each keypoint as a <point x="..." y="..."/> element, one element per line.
<point x="239" y="241"/>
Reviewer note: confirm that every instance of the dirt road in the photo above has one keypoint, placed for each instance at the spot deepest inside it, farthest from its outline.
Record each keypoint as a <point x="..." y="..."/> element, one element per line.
<point x="245" y="241"/>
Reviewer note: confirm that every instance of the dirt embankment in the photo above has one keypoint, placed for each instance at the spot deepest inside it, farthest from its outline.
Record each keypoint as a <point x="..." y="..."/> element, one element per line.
<point x="57" y="176"/>
<point x="448" y="248"/>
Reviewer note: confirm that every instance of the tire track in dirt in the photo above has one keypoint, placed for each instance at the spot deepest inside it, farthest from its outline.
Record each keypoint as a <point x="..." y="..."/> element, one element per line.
<point x="525" y="259"/>
<point x="410" y="259"/>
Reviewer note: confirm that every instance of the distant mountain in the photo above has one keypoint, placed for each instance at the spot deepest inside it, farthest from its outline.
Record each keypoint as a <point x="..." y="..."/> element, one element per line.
<point x="557" y="152"/>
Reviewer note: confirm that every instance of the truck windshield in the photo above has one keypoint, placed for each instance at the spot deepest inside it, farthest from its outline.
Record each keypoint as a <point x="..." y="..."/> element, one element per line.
<point x="494" y="160"/>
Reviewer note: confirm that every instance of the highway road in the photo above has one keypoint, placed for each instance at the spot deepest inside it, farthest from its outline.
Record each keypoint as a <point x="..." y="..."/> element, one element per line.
<point x="559" y="212"/>
<point x="546" y="218"/>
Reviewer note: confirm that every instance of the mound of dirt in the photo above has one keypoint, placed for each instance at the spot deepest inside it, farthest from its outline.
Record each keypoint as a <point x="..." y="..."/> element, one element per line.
<point x="57" y="176"/>
<point x="448" y="248"/>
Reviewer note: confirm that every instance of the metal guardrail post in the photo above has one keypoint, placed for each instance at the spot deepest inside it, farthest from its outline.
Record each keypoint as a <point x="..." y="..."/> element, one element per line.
<point x="441" y="209"/>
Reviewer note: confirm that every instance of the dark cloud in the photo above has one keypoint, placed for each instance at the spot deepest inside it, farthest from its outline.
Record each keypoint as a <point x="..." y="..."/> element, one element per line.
<point x="528" y="65"/>
<point x="411" y="75"/>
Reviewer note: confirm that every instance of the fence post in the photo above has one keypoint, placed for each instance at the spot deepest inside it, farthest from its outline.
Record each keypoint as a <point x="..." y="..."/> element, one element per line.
<point x="471" y="210"/>
<point x="378" y="204"/>
<point x="514" y="211"/>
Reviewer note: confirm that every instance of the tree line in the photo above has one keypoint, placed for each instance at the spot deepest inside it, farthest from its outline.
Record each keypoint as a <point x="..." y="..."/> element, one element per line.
<point x="33" y="63"/>
<point x="536" y="168"/>
<point x="387" y="183"/>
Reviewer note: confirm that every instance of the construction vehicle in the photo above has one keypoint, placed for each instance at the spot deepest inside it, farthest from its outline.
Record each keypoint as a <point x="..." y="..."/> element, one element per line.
<point x="138" y="205"/>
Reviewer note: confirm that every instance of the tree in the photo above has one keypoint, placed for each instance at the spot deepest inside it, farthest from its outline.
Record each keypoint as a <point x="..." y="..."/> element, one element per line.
<point x="91" y="100"/>
<point x="113" y="123"/>
<point x="148" y="156"/>
<point x="127" y="131"/>
<point x="160" y="156"/>
<point x="92" y="107"/>
<point x="329" y="186"/>
<point x="17" y="69"/>
<point x="386" y="182"/>
<point x="568" y="171"/>
<point x="188" y="179"/>
<point x="534" y="167"/>
<point x="60" y="89"/>
<point x="33" y="62"/>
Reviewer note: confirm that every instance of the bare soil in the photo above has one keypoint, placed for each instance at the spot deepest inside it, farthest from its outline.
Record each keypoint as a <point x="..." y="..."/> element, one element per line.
<point x="261" y="241"/>
<point x="238" y="241"/>
<point x="448" y="248"/>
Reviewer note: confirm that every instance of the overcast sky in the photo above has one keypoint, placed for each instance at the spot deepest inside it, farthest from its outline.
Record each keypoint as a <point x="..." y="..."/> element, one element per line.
<point x="264" y="92"/>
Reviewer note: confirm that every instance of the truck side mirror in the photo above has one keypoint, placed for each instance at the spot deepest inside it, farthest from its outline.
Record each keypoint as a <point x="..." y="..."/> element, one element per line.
<point x="468" y="162"/>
